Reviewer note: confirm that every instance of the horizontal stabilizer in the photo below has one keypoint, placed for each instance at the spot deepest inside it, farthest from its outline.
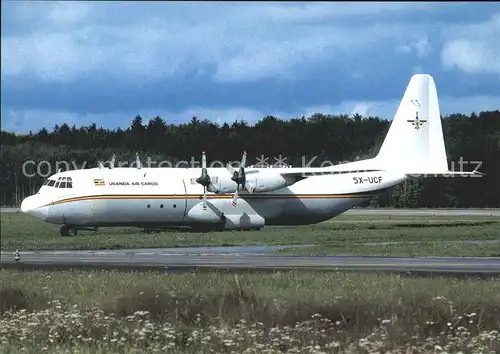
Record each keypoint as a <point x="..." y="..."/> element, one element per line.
<point x="446" y="174"/>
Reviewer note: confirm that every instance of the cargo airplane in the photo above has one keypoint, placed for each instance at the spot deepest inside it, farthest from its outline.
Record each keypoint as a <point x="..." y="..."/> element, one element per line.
<point x="249" y="198"/>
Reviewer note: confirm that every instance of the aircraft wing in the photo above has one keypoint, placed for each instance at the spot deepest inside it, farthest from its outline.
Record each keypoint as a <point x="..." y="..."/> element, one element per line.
<point x="356" y="166"/>
<point x="369" y="165"/>
<point x="319" y="171"/>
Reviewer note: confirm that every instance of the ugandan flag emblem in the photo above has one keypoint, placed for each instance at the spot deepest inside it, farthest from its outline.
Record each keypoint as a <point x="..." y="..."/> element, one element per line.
<point x="98" y="182"/>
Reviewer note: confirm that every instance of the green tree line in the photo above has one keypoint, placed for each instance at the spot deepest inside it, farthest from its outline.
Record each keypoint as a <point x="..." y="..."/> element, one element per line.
<point x="471" y="141"/>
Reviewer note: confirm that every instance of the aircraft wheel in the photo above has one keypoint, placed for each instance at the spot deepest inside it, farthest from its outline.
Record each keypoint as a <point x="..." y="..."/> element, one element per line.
<point x="67" y="230"/>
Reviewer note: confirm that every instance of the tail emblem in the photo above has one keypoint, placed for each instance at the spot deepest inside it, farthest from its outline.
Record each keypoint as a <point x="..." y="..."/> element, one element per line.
<point x="417" y="122"/>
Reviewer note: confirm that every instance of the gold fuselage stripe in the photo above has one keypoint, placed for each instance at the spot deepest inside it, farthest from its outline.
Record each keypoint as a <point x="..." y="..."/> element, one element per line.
<point x="215" y="196"/>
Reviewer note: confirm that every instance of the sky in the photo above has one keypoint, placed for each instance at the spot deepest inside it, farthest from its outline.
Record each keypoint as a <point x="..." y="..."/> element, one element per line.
<point x="91" y="62"/>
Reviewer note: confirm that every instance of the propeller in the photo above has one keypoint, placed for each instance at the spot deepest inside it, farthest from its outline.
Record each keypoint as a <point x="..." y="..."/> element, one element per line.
<point x="138" y="161"/>
<point x="239" y="177"/>
<point x="204" y="179"/>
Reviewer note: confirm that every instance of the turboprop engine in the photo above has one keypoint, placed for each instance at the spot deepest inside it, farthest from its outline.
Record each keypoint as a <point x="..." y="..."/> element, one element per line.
<point x="255" y="181"/>
<point x="252" y="181"/>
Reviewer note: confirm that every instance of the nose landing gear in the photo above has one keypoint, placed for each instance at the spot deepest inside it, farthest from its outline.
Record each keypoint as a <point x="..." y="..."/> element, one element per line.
<point x="67" y="230"/>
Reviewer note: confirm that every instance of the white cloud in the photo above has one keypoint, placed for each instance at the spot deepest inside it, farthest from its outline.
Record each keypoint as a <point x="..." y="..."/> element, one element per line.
<point x="383" y="109"/>
<point x="256" y="60"/>
<point x="404" y="48"/>
<point x="150" y="42"/>
<point x="472" y="56"/>
<point x="55" y="57"/>
<point x="474" y="48"/>
<point x="419" y="45"/>
<point x="307" y="12"/>
<point x="25" y="120"/>
<point x="68" y="12"/>
<point x="387" y="109"/>
<point x="423" y="46"/>
<point x="50" y="13"/>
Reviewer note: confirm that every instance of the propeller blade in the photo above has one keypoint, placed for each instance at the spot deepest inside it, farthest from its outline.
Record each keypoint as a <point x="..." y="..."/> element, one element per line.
<point x="235" y="198"/>
<point x="138" y="161"/>
<point x="249" y="189"/>
<point x="204" y="201"/>
<point x="238" y="177"/>
<point x="230" y="168"/>
<point x="244" y="159"/>
<point x="204" y="179"/>
<point x="203" y="160"/>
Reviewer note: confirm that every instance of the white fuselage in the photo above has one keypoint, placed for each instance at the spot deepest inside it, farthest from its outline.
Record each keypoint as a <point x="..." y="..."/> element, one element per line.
<point x="167" y="196"/>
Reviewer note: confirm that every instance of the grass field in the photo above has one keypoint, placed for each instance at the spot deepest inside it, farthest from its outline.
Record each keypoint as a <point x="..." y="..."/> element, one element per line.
<point x="294" y="312"/>
<point x="342" y="235"/>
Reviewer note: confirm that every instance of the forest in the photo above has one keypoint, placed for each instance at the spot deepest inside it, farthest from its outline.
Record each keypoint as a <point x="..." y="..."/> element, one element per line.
<point x="472" y="141"/>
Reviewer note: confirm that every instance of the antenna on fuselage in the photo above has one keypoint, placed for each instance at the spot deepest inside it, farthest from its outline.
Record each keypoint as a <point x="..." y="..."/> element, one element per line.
<point x="112" y="162"/>
<point x="101" y="166"/>
<point x="138" y="161"/>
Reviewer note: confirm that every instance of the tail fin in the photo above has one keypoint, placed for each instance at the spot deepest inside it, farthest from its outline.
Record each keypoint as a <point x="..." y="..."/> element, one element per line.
<point x="414" y="144"/>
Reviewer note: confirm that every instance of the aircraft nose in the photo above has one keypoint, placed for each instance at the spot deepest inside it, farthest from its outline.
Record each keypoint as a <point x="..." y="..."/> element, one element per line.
<point x="25" y="205"/>
<point x="31" y="206"/>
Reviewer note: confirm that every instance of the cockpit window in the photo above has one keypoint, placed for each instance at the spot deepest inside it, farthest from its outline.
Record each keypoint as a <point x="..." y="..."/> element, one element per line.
<point x="62" y="182"/>
<point x="65" y="182"/>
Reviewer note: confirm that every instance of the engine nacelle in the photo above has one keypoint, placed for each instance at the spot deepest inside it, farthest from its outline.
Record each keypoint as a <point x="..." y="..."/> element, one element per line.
<point x="206" y="215"/>
<point x="222" y="184"/>
<point x="257" y="181"/>
<point x="265" y="181"/>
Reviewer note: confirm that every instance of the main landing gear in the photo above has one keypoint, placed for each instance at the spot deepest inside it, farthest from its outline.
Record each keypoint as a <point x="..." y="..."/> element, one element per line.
<point x="67" y="230"/>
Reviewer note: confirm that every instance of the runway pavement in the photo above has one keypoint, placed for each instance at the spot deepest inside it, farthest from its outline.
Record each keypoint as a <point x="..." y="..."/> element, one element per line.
<point x="10" y="210"/>
<point x="241" y="258"/>
<point x="424" y="212"/>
